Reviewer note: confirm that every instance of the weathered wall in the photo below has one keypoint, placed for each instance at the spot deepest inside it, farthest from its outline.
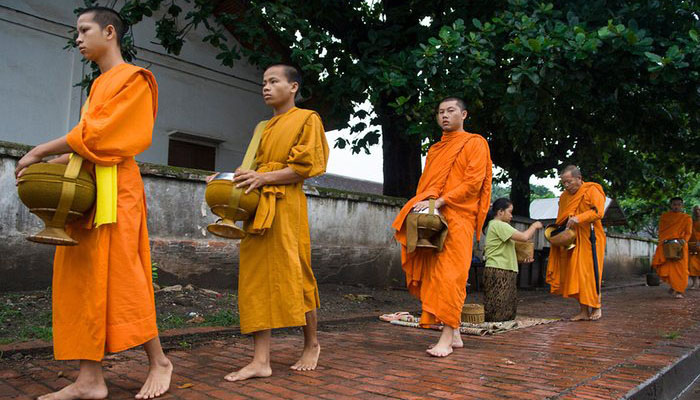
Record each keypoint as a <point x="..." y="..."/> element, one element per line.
<point x="350" y="233"/>
<point x="197" y="95"/>
<point x="351" y="237"/>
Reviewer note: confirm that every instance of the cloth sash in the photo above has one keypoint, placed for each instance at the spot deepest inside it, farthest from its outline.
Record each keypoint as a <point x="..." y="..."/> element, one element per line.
<point x="106" y="184"/>
<point x="265" y="213"/>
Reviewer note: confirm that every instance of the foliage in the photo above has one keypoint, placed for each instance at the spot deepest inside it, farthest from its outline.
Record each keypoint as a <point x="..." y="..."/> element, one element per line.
<point x="536" y="192"/>
<point x="610" y="85"/>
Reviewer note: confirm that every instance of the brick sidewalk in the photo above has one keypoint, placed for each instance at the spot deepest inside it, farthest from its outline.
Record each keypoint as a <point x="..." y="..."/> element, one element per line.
<point x="642" y="331"/>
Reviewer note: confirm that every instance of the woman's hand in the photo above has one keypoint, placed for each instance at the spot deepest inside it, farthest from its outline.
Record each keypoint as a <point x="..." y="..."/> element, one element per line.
<point x="249" y="178"/>
<point x="537" y="225"/>
<point x="210" y="177"/>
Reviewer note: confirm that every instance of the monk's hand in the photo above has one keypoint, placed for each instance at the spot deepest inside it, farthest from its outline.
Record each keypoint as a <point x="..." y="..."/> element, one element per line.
<point x="572" y="222"/>
<point x="30" y="158"/>
<point x="249" y="178"/>
<point x="425" y="204"/>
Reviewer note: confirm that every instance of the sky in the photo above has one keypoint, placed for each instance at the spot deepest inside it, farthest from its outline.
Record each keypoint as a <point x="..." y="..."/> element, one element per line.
<point x="369" y="166"/>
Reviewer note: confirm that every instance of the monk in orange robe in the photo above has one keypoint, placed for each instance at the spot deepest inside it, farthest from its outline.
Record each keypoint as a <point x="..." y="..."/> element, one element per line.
<point x="276" y="286"/>
<point x="102" y="289"/>
<point x="674" y="224"/>
<point x="458" y="175"/>
<point x="694" y="262"/>
<point x="571" y="273"/>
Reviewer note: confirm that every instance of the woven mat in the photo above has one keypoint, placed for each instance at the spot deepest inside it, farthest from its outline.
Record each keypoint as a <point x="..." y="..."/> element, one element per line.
<point x="485" y="328"/>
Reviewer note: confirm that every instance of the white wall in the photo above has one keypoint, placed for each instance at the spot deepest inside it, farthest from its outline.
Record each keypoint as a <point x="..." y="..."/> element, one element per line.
<point x="197" y="95"/>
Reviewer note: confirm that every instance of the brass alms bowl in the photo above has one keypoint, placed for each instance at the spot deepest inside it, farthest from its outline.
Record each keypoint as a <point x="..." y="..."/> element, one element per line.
<point x="43" y="186"/>
<point x="429" y="228"/>
<point x="560" y="236"/>
<point x="219" y="195"/>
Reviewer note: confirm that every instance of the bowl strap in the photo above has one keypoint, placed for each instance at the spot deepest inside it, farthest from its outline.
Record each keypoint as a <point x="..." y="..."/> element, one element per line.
<point x="67" y="190"/>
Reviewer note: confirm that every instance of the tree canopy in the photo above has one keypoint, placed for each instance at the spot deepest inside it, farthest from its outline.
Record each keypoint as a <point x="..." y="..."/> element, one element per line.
<point x="613" y="86"/>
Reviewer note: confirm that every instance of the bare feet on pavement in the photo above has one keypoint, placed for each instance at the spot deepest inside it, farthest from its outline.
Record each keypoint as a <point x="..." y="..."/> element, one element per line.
<point x="252" y="370"/>
<point x="158" y="380"/>
<point x="309" y="358"/>
<point x="596" y="314"/>
<point x="97" y="390"/>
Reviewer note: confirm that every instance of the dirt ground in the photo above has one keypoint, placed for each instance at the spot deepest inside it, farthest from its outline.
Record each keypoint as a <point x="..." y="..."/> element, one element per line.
<point x="27" y="315"/>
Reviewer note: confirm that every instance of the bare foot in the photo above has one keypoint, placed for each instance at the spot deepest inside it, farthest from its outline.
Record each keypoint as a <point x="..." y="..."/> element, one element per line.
<point x="582" y="316"/>
<point x="440" y="350"/>
<point x="309" y="358"/>
<point x="596" y="314"/>
<point x="158" y="380"/>
<point x="678" y="295"/>
<point x="457" y="342"/>
<point x="78" y="391"/>
<point x="252" y="370"/>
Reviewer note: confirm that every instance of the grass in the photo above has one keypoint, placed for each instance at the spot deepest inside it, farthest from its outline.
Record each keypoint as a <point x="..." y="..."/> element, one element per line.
<point x="224" y="317"/>
<point x="671" y="335"/>
<point x="16" y="326"/>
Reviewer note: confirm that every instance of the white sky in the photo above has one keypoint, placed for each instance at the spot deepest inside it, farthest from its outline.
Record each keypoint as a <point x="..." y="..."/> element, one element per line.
<point x="369" y="166"/>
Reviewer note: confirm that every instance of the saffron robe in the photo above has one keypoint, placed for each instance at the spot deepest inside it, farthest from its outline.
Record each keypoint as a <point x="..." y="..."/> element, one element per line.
<point x="694" y="260"/>
<point x="102" y="288"/>
<point x="570" y="272"/>
<point x="673" y="225"/>
<point x="458" y="169"/>
<point x="276" y="286"/>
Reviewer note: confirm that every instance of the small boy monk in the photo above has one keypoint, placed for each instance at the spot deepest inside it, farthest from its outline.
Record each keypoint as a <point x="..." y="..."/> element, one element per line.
<point x="276" y="286"/>
<point x="102" y="288"/>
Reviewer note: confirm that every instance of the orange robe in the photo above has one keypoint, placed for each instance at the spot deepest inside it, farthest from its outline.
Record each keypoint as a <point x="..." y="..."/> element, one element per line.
<point x="673" y="225"/>
<point x="694" y="262"/>
<point x="276" y="286"/>
<point x="570" y="273"/>
<point x="458" y="169"/>
<point x="102" y="290"/>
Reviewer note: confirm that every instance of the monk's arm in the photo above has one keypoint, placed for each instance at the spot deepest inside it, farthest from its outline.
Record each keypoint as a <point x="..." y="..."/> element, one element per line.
<point x="477" y="152"/>
<point x="38" y="153"/>
<point x="597" y="202"/>
<point x="688" y="231"/>
<point x="254" y="179"/>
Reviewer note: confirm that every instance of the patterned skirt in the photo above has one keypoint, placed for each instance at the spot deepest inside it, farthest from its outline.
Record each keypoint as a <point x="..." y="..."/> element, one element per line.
<point x="500" y="294"/>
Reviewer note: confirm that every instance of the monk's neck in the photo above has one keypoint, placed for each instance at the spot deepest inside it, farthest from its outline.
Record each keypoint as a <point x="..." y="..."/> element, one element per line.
<point x="109" y="61"/>
<point x="284" y="108"/>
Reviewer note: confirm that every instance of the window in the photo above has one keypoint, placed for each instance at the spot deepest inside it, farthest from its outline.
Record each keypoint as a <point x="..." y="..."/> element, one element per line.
<point x="192" y="151"/>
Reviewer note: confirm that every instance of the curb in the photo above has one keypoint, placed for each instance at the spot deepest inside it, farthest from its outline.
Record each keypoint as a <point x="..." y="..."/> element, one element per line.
<point x="172" y="338"/>
<point x="670" y="382"/>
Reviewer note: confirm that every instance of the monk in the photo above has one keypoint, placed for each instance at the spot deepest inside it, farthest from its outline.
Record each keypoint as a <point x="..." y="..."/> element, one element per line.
<point x="694" y="262"/>
<point x="276" y="286"/>
<point x="674" y="224"/>
<point x="571" y="273"/>
<point x="457" y="175"/>
<point x="102" y="289"/>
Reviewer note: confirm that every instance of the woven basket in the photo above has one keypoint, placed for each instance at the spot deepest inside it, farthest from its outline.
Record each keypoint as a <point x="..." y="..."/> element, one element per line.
<point x="473" y="313"/>
<point x="524" y="251"/>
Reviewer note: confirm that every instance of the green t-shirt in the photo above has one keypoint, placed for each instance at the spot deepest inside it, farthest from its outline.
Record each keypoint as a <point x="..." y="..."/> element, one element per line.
<point x="500" y="250"/>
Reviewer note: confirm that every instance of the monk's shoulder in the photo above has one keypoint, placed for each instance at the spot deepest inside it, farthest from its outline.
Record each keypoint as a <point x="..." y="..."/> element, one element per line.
<point x="308" y="116"/>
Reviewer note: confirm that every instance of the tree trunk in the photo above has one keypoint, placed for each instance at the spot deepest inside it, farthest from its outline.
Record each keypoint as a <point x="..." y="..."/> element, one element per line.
<point x="402" y="156"/>
<point x="520" y="191"/>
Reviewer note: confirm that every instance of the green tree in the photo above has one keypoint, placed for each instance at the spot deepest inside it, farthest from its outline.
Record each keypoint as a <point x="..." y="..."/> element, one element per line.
<point x="609" y="85"/>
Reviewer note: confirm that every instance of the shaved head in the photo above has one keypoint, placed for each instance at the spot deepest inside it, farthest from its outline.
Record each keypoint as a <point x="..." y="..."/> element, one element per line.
<point x="291" y="72"/>
<point x="104" y="17"/>
<point x="573" y="170"/>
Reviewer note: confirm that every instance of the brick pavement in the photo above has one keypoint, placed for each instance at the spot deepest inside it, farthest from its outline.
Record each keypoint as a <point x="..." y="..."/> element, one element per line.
<point x="374" y="360"/>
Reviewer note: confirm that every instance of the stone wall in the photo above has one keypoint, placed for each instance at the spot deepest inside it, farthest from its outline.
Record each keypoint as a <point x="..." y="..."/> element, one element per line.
<point x="350" y="233"/>
<point x="351" y="237"/>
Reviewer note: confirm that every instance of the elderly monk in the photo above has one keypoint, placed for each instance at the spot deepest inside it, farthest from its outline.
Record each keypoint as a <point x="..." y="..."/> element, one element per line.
<point x="276" y="286"/>
<point x="674" y="224"/>
<point x="102" y="289"/>
<point x="457" y="175"/>
<point x="571" y="273"/>
<point x="694" y="259"/>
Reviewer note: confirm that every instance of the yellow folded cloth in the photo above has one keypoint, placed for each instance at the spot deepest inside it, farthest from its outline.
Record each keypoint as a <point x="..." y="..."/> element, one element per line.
<point x="106" y="202"/>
